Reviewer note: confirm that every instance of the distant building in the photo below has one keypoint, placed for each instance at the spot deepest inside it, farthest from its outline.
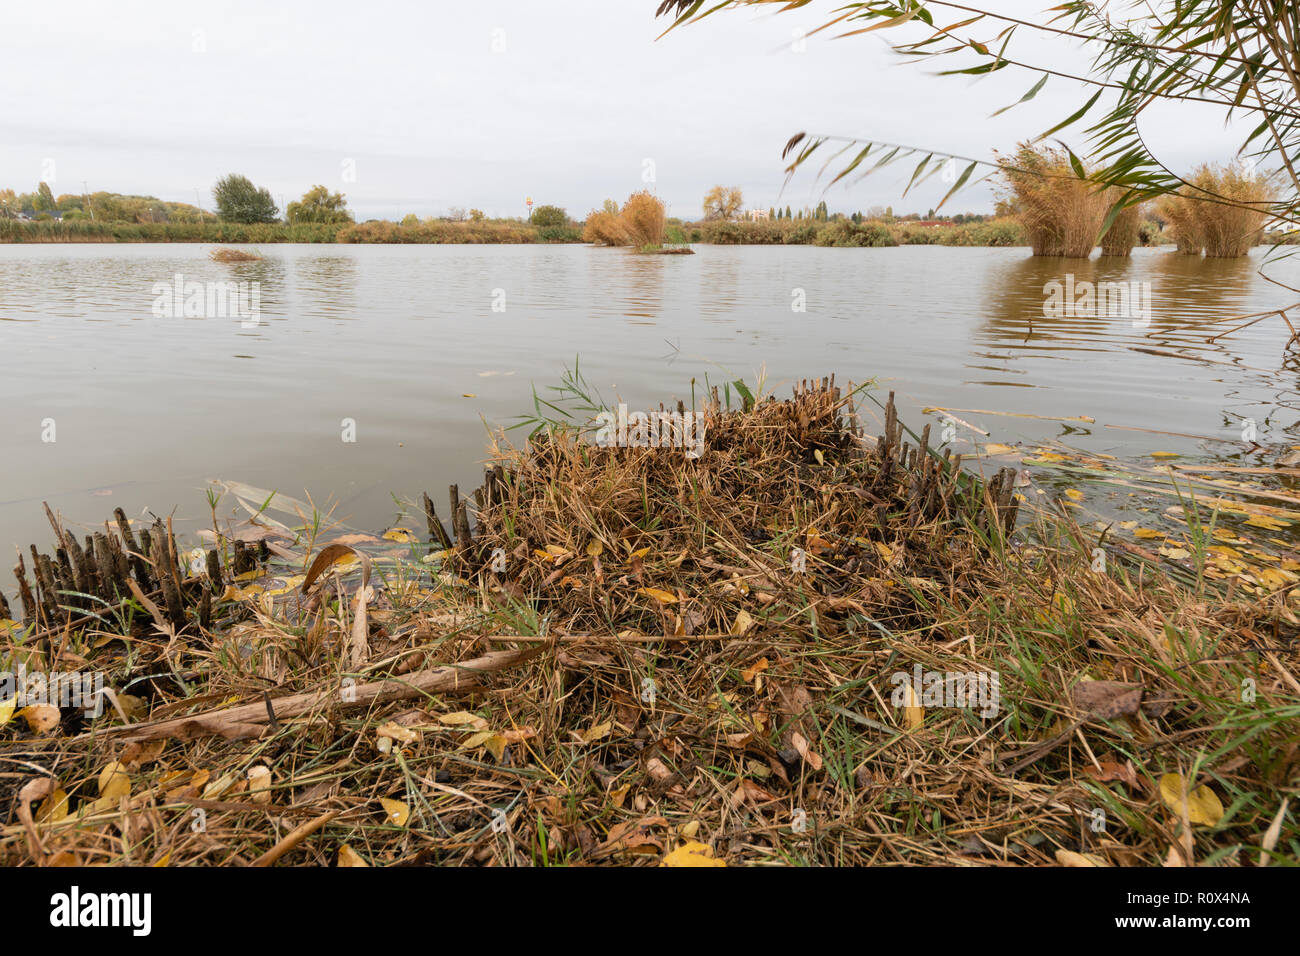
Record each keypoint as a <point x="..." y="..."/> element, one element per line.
<point x="757" y="215"/>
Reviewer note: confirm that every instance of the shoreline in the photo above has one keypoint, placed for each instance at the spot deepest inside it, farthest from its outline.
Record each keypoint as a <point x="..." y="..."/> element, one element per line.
<point x="669" y="647"/>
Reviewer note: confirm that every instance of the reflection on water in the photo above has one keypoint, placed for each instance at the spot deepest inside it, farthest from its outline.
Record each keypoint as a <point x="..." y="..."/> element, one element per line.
<point x="397" y="337"/>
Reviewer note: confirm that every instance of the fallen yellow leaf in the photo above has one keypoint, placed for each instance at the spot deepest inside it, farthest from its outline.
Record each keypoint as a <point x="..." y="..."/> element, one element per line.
<point x="1203" y="806"/>
<point x="692" y="854"/>
<point x="396" y="811"/>
<point x="663" y="597"/>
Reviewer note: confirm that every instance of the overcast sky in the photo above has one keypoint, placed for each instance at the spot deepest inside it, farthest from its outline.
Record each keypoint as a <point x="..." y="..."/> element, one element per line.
<point x="422" y="106"/>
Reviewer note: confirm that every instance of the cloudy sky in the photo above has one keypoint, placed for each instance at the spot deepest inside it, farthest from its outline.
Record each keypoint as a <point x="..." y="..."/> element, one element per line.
<point x="420" y="107"/>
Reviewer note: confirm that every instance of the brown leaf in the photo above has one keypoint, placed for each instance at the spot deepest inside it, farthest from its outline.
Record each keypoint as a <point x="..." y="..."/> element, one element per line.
<point x="1110" y="770"/>
<point x="1106" y="699"/>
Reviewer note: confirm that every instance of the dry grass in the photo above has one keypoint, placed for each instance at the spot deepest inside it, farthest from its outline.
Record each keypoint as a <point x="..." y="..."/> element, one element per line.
<point x="640" y="223"/>
<point x="1061" y="213"/>
<point x="234" y="255"/>
<point x="1122" y="235"/>
<point x="643" y="219"/>
<point x="605" y="227"/>
<point x="664" y="674"/>
<point x="1220" y="230"/>
<point x="1180" y="224"/>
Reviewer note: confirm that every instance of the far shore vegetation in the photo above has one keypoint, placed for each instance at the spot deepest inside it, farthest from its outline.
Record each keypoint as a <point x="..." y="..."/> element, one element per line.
<point x="1042" y="204"/>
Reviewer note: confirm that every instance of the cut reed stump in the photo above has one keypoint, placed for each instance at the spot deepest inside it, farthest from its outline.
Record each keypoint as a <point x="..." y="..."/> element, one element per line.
<point x="110" y="567"/>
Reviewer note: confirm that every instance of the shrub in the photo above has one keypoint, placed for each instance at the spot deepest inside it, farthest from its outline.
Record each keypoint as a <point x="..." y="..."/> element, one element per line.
<point x="846" y="233"/>
<point x="549" y="216"/>
<point x="238" y="200"/>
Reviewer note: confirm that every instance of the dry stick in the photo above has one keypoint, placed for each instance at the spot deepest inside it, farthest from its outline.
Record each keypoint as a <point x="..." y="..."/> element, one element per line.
<point x="138" y="567"/>
<point x="25" y="591"/>
<point x="294" y="838"/>
<point x="250" y="719"/>
<point x="437" y="532"/>
<point x="54" y="523"/>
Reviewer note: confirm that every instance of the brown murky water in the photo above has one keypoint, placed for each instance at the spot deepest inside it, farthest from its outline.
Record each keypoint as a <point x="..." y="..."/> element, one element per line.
<point x="145" y="408"/>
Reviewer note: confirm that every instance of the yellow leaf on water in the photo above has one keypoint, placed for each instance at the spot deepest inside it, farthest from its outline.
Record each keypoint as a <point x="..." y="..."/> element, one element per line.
<point x="404" y="535"/>
<point x="1149" y="533"/>
<point x="663" y="597"/>
<point x="350" y="857"/>
<point x="1266" y="521"/>
<point x="996" y="448"/>
<point x="1176" y="554"/>
<point x="1203" y="806"/>
<point x="1165" y="454"/>
<point x="1074" y="494"/>
<point x="692" y="854"/>
<point x="396" y="811"/>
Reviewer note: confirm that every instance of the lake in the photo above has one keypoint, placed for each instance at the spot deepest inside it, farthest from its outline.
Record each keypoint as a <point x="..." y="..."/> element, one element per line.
<point x="425" y="347"/>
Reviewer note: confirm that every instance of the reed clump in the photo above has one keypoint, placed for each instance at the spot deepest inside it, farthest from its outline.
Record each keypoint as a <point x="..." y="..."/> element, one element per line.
<point x="640" y="223"/>
<point x="605" y="227"/>
<point x="1062" y="214"/>
<point x="1125" y="229"/>
<point x="1181" y="224"/>
<point x="1230" y="229"/>
<point x="235" y="255"/>
<point x="642" y="218"/>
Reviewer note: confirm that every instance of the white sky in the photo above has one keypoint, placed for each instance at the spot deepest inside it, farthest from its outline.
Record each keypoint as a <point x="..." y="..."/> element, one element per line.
<point x="161" y="97"/>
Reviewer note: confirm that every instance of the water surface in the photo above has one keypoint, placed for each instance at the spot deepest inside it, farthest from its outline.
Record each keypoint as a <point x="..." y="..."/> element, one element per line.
<point x="405" y="341"/>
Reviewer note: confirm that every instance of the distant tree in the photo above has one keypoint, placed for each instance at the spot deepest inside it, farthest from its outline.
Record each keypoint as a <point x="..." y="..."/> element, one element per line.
<point x="787" y="213"/>
<point x="318" y="204"/>
<point x="546" y="216"/>
<point x="238" y="200"/>
<point x="771" y="213"/>
<point x="822" y="214"/>
<point x="9" y="206"/>
<point x="723" y="202"/>
<point x="44" y="201"/>
<point x="476" y="215"/>
<point x="889" y="212"/>
<point x="410" y="219"/>
<point x="930" y="214"/>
